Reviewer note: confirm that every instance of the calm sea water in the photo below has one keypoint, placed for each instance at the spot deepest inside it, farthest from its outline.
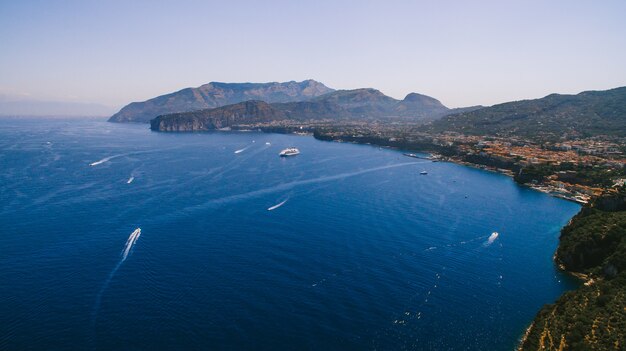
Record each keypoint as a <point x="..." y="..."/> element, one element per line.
<point x="365" y="253"/>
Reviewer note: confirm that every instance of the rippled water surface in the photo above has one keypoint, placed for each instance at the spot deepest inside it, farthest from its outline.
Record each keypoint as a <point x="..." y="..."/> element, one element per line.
<point x="359" y="251"/>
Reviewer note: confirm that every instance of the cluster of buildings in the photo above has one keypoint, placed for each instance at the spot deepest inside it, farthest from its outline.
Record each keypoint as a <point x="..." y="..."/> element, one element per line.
<point x="568" y="161"/>
<point x="564" y="160"/>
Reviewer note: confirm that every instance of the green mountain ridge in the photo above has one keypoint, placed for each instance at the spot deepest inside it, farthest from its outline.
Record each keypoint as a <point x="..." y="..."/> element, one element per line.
<point x="553" y="116"/>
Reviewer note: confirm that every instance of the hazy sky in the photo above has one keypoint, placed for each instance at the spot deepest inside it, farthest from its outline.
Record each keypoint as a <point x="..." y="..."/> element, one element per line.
<point x="461" y="52"/>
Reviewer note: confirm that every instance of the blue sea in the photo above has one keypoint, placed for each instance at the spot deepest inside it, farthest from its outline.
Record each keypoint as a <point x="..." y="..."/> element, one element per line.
<point x="361" y="253"/>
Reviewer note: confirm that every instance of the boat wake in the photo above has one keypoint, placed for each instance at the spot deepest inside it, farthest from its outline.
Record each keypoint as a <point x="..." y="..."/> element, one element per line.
<point x="213" y="203"/>
<point x="411" y="315"/>
<point x="455" y="244"/>
<point x="242" y="150"/>
<point x="132" y="239"/>
<point x="277" y="205"/>
<point x="491" y="239"/>
<point x="419" y="306"/>
<point x="106" y="159"/>
<point x="109" y="158"/>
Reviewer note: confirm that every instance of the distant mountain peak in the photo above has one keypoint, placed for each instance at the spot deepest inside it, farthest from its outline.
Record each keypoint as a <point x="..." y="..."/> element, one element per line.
<point x="414" y="97"/>
<point x="355" y="104"/>
<point x="217" y="94"/>
<point x="357" y="96"/>
<point x="308" y="99"/>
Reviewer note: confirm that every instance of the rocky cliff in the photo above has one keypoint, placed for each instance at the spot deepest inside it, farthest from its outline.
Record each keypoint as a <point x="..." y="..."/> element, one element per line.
<point x="221" y="117"/>
<point x="592" y="317"/>
<point x="359" y="104"/>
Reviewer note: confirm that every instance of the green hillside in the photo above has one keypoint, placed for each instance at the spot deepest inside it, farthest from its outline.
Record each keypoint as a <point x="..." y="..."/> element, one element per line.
<point x="554" y="116"/>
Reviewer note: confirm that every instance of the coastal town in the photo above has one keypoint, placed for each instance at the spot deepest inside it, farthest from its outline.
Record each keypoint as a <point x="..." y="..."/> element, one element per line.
<point x="576" y="169"/>
<point x="567" y="164"/>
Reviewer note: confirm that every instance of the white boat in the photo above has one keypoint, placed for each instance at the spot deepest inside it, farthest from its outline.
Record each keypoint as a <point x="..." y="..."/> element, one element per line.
<point x="290" y="151"/>
<point x="423" y="173"/>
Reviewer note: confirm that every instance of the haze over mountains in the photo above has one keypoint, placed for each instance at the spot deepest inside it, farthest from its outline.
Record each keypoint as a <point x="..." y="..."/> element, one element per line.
<point x="28" y="107"/>
<point x="300" y="100"/>
<point x="219" y="105"/>
<point x="217" y="94"/>
<point x="360" y="104"/>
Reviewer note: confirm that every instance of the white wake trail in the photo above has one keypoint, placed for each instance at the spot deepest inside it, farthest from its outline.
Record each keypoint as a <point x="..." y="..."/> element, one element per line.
<point x="242" y="150"/>
<point x="130" y="242"/>
<point x="132" y="239"/>
<point x="277" y="205"/>
<point x="288" y="186"/>
<point x="106" y="159"/>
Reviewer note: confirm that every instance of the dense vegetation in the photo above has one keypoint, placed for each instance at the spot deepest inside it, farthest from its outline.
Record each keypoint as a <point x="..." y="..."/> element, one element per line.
<point x="594" y="243"/>
<point x="570" y="173"/>
<point x="549" y="118"/>
<point x="594" y="316"/>
<point x="590" y="318"/>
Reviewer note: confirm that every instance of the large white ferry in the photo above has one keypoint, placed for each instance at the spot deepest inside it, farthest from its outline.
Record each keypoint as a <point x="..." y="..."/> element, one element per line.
<point x="290" y="151"/>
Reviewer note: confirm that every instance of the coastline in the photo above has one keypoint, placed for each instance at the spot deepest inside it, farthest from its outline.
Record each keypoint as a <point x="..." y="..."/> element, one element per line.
<point x="529" y="334"/>
<point x="584" y="279"/>
<point x="436" y="157"/>
<point x="361" y="157"/>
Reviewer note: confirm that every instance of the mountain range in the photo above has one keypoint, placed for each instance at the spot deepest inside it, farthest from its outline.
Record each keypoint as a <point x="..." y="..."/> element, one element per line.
<point x="292" y="100"/>
<point x="217" y="94"/>
<point x="361" y="104"/>
<point x="218" y="105"/>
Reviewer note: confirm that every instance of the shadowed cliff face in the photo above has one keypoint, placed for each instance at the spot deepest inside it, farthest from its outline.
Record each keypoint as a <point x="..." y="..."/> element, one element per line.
<point x="244" y="112"/>
<point x="213" y="95"/>
<point x="341" y="104"/>
<point x="308" y="99"/>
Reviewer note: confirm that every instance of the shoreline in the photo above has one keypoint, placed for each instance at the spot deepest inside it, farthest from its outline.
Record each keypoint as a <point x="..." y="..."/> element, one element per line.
<point x="435" y="157"/>
<point x="583" y="278"/>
